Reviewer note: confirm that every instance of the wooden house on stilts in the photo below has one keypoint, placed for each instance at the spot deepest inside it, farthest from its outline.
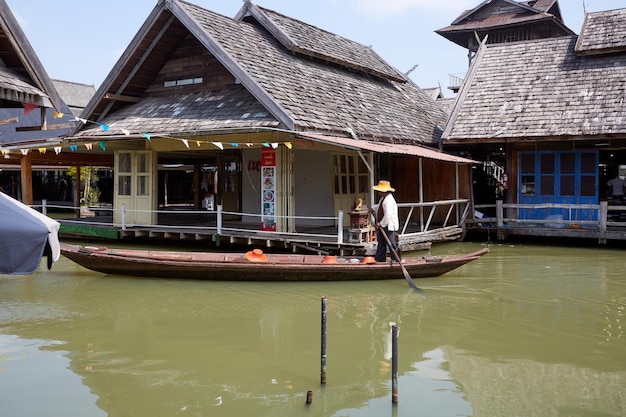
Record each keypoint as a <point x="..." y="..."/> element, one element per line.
<point x="270" y="122"/>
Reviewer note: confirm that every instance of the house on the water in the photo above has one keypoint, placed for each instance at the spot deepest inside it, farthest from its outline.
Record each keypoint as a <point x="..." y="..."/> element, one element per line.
<point x="551" y="112"/>
<point x="277" y="123"/>
<point x="32" y="107"/>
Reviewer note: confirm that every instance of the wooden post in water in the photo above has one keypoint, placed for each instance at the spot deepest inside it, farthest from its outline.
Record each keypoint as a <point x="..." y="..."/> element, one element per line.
<point x="309" y="397"/>
<point x="323" y="358"/>
<point x="394" y="364"/>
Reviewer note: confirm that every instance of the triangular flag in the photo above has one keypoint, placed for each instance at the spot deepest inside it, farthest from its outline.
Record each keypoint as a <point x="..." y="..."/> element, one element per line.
<point x="57" y="115"/>
<point x="288" y="145"/>
<point x="73" y="147"/>
<point x="104" y="127"/>
<point x="24" y="152"/>
<point x="146" y="135"/>
<point x="312" y="143"/>
<point x="274" y="145"/>
<point x="186" y="142"/>
<point x="301" y="143"/>
<point x="219" y="145"/>
<point x="78" y="119"/>
<point x="234" y="145"/>
<point x="266" y="145"/>
<point x="28" y="107"/>
<point x="126" y="132"/>
<point x="198" y="143"/>
<point x="88" y="146"/>
<point x="57" y="150"/>
<point x="248" y="145"/>
<point x="103" y="146"/>
<point x="5" y="151"/>
<point x="42" y="150"/>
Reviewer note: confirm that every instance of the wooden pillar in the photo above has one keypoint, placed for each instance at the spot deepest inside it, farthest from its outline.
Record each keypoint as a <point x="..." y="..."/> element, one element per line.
<point x="76" y="192"/>
<point x="27" y="180"/>
<point x="197" y="186"/>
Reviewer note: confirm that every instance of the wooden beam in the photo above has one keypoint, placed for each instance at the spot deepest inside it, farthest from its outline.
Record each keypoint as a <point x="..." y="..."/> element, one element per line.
<point x="46" y="128"/>
<point x="120" y="97"/>
<point x="9" y="121"/>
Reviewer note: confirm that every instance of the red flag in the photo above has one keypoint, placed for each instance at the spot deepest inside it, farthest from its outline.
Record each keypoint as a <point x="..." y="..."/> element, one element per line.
<point x="28" y="107"/>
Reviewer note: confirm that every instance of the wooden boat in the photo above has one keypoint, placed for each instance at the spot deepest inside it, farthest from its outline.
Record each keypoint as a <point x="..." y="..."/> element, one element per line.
<point x="255" y="265"/>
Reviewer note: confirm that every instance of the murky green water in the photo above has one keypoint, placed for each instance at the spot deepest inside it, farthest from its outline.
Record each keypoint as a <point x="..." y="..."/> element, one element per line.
<point x="524" y="331"/>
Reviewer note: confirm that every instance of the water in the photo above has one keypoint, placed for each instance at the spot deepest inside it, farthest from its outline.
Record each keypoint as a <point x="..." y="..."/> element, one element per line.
<point x="524" y="331"/>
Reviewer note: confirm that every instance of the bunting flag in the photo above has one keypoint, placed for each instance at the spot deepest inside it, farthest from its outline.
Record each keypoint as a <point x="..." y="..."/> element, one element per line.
<point x="146" y="135"/>
<point x="73" y="147"/>
<point x="78" y="119"/>
<point x="5" y="151"/>
<point x="104" y="127"/>
<point x="126" y="132"/>
<point x="24" y="152"/>
<point x="288" y="145"/>
<point x="57" y="150"/>
<point x="219" y="145"/>
<point x="274" y="145"/>
<point x="103" y="146"/>
<point x="57" y="115"/>
<point x="42" y="150"/>
<point x="88" y="146"/>
<point x="28" y="107"/>
<point x="248" y="144"/>
<point x="302" y="143"/>
<point x="234" y="145"/>
<point x="186" y="142"/>
<point x="198" y="143"/>
<point x="266" y="145"/>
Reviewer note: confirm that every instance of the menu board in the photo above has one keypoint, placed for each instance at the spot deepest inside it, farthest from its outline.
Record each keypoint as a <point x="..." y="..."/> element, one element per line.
<point x="268" y="190"/>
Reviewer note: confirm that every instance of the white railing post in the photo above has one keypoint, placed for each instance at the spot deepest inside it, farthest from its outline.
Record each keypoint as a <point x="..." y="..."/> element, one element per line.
<point x="124" y="216"/>
<point x="219" y="219"/>
<point x="340" y="228"/>
<point x="44" y="210"/>
<point x="603" y="216"/>
<point x="499" y="214"/>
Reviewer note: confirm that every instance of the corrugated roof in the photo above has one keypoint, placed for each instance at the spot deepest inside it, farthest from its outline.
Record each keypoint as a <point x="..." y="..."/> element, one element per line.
<point x="387" y="148"/>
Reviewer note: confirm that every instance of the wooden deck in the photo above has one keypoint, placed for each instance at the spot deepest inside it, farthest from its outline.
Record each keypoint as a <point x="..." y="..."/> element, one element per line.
<point x="598" y="222"/>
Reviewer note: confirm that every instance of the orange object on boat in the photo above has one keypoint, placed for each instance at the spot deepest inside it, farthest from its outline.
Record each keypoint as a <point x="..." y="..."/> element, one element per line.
<point x="369" y="260"/>
<point x="330" y="260"/>
<point x="256" y="255"/>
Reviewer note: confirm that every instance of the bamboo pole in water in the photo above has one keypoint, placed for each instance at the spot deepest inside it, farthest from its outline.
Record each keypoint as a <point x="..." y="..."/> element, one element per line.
<point x="323" y="351"/>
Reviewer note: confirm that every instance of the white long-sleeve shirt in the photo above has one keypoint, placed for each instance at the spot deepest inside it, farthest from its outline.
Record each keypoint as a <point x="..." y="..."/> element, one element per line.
<point x="390" y="213"/>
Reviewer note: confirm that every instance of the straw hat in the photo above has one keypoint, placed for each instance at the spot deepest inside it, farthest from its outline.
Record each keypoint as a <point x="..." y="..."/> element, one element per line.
<point x="384" y="187"/>
<point x="256" y="255"/>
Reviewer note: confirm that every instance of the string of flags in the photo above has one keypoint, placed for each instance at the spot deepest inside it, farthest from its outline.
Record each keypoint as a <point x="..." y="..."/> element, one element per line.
<point x="28" y="107"/>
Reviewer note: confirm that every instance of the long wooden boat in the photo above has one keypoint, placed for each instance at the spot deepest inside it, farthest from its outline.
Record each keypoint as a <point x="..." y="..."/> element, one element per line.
<point x="255" y="265"/>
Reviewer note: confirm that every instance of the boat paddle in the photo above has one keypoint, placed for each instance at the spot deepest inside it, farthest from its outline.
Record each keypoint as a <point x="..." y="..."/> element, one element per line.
<point x="408" y="278"/>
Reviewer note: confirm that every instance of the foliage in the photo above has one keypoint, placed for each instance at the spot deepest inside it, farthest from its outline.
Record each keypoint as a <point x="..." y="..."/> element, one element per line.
<point x="89" y="179"/>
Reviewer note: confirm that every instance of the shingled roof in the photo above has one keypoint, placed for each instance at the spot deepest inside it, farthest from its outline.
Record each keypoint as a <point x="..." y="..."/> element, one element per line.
<point x="492" y="15"/>
<point x="603" y="32"/>
<point x="280" y="79"/>
<point x="539" y="90"/>
<point x="23" y="79"/>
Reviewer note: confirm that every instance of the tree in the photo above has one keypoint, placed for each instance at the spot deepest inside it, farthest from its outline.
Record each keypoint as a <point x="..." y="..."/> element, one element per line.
<point x="89" y="183"/>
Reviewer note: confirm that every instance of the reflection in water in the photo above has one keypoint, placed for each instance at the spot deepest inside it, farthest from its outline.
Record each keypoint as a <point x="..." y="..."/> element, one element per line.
<point x="524" y="331"/>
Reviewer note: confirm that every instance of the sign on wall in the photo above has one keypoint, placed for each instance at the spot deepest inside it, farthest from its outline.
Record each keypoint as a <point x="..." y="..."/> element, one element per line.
<point x="268" y="190"/>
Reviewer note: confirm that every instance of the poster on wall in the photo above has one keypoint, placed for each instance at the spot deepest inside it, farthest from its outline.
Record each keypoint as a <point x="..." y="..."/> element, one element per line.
<point x="268" y="190"/>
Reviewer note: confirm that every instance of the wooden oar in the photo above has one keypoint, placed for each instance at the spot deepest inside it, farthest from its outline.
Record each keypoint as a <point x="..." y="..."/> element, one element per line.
<point x="408" y="278"/>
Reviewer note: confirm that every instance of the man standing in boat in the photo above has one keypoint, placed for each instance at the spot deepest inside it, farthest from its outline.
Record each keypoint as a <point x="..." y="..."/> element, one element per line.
<point x="387" y="223"/>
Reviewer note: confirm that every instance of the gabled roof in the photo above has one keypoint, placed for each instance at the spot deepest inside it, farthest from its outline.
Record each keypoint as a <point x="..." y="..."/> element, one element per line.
<point x="603" y="32"/>
<point x="309" y="40"/>
<point x="22" y="77"/>
<point x="333" y="86"/>
<point x="539" y="90"/>
<point x="493" y="15"/>
<point x="75" y="95"/>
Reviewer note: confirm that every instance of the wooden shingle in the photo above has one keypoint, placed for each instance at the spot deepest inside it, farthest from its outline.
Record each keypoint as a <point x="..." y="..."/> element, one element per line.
<point x="603" y="32"/>
<point x="539" y="90"/>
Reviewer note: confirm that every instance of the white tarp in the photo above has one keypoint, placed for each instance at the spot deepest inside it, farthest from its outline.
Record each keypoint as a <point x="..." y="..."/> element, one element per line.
<point x="26" y="236"/>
